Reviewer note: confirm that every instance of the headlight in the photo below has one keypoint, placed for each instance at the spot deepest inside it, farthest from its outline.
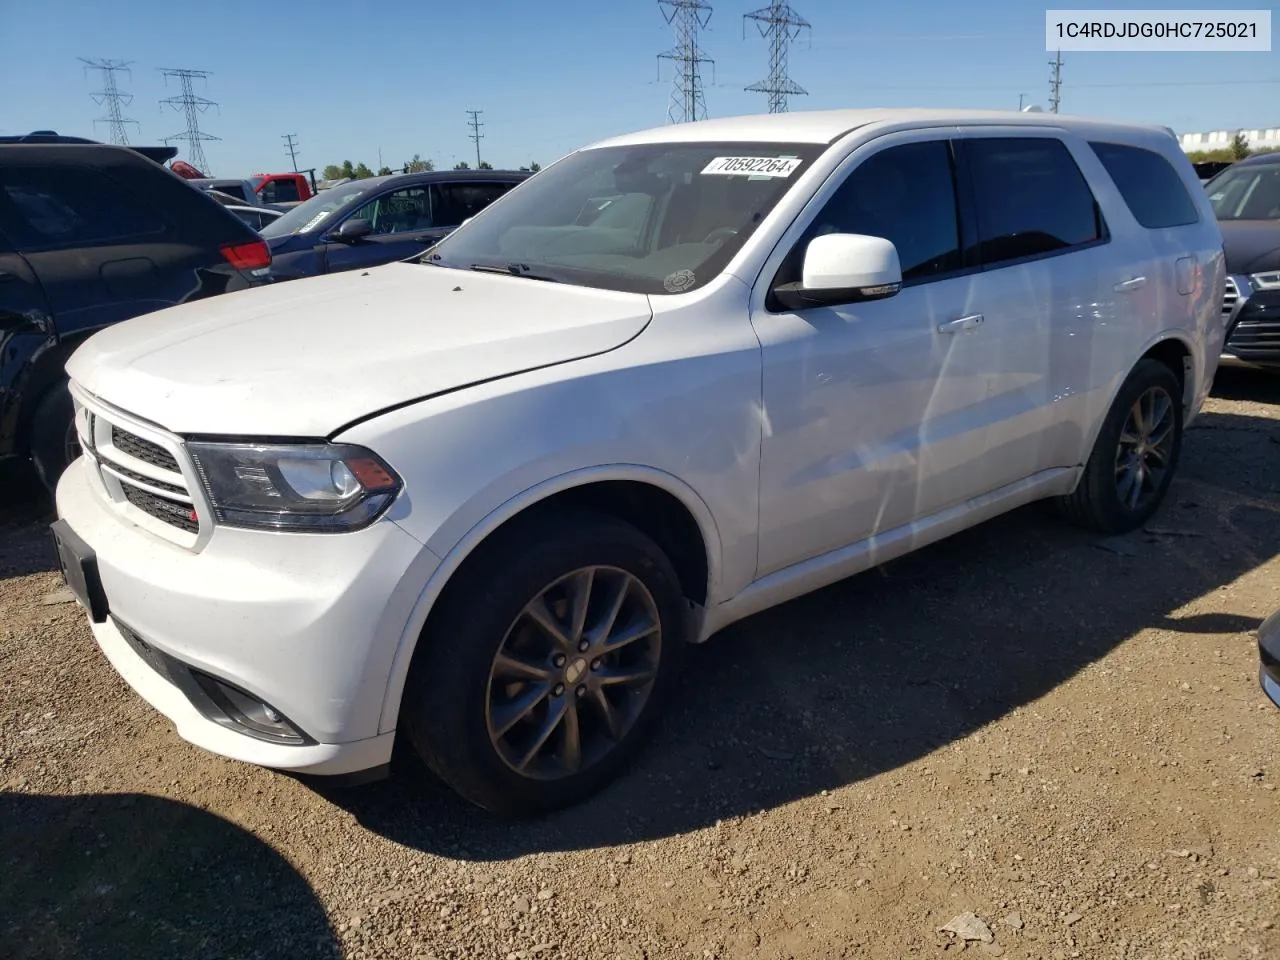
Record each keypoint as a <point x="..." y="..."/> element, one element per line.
<point x="317" y="487"/>
<point x="1266" y="281"/>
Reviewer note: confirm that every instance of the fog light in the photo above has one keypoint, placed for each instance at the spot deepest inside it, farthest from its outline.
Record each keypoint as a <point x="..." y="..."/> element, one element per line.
<point x="245" y="713"/>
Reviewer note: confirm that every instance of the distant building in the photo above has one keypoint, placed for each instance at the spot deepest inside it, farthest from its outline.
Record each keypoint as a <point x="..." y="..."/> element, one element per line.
<point x="1259" y="138"/>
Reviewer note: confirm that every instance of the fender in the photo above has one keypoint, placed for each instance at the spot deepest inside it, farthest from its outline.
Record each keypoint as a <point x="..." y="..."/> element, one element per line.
<point x="453" y="558"/>
<point x="1190" y="386"/>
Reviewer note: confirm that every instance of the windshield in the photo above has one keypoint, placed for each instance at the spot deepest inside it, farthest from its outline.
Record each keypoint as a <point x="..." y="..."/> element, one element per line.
<point x="311" y="214"/>
<point x="1249" y="192"/>
<point x="654" y="218"/>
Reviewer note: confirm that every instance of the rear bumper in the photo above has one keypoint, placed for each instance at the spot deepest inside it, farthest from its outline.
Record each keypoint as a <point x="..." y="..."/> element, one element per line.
<point x="1269" y="657"/>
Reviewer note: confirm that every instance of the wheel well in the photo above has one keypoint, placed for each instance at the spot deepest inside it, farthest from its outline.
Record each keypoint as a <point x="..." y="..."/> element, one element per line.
<point x="1174" y="355"/>
<point x="656" y="513"/>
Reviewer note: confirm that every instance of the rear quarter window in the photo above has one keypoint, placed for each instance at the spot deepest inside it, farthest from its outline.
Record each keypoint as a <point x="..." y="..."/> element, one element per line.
<point x="48" y="208"/>
<point x="1151" y="188"/>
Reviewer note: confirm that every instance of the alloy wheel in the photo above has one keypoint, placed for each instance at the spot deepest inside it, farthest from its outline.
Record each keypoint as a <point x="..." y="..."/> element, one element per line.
<point x="1145" y="449"/>
<point x="573" y="673"/>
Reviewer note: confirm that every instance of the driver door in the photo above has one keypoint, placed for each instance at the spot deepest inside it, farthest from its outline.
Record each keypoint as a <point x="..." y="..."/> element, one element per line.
<point x="402" y="225"/>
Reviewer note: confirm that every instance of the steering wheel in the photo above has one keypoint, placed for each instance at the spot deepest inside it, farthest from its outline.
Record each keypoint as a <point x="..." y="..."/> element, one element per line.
<point x="720" y="234"/>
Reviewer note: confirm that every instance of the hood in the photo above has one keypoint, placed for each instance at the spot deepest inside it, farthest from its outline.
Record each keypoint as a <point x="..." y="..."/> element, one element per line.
<point x="1252" y="246"/>
<point x="304" y="358"/>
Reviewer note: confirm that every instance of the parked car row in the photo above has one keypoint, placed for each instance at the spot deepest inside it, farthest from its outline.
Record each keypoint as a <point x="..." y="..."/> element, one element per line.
<point x="480" y="499"/>
<point x="92" y="234"/>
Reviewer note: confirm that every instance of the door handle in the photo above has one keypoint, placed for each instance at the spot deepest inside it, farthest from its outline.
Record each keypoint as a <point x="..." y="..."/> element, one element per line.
<point x="964" y="323"/>
<point x="1128" y="286"/>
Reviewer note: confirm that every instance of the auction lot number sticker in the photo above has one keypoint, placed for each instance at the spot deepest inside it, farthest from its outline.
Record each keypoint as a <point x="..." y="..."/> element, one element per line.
<point x="752" y="166"/>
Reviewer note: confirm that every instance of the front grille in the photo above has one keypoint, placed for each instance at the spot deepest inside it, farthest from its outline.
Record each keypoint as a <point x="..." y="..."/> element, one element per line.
<point x="139" y="468"/>
<point x="143" y="450"/>
<point x="1256" y="335"/>
<point x="1230" y="297"/>
<point x="172" y="512"/>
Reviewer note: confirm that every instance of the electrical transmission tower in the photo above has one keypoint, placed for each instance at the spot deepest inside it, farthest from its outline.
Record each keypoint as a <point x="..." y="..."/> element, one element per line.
<point x="191" y="106"/>
<point x="291" y="145"/>
<point x="1055" y="83"/>
<point x="475" y="124"/>
<point x="688" y="17"/>
<point x="111" y="97"/>
<point x="781" y="24"/>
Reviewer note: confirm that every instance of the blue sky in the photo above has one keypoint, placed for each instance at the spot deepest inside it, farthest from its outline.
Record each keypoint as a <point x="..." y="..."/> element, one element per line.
<point x="550" y="77"/>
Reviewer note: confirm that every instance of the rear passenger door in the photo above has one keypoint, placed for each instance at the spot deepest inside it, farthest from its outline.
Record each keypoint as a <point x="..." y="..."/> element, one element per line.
<point x="456" y="202"/>
<point x="1049" y="280"/>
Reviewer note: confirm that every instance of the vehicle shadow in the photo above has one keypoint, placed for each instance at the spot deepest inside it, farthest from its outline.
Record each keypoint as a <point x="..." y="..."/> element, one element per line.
<point x="142" y="877"/>
<point x="887" y="667"/>
<point x="1246" y="383"/>
<point x="25" y="510"/>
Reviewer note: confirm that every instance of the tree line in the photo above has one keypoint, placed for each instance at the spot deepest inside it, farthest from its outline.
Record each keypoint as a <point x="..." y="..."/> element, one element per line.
<point x="360" y="171"/>
<point x="1237" y="150"/>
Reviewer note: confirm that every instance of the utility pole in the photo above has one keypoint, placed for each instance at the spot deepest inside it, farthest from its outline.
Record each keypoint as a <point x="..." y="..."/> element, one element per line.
<point x="475" y="124"/>
<point x="111" y="97"/>
<point x="781" y="24"/>
<point x="1055" y="83"/>
<point x="291" y="145"/>
<point x="689" y="17"/>
<point x="191" y="107"/>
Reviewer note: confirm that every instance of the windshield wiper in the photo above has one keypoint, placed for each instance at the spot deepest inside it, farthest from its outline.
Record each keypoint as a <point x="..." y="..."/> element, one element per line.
<point x="514" y="270"/>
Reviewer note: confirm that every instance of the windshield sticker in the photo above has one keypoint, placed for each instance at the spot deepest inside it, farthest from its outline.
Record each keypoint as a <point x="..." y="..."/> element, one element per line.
<point x="314" y="221"/>
<point x="753" y="166"/>
<point x="679" y="281"/>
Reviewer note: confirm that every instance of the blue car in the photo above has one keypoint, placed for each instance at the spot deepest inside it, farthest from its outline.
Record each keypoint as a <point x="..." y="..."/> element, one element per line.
<point x="365" y="223"/>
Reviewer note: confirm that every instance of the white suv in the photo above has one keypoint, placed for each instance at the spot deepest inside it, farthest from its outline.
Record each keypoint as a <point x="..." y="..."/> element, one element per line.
<point x="484" y="498"/>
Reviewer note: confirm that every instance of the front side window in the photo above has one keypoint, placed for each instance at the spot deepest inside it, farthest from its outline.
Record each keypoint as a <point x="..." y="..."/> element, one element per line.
<point x="400" y="211"/>
<point x="1031" y="198"/>
<point x="905" y="194"/>
<point x="659" y="219"/>
<point x="49" y="208"/>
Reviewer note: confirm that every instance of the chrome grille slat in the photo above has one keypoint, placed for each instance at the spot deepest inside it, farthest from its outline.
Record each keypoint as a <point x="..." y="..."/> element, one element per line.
<point x="140" y="468"/>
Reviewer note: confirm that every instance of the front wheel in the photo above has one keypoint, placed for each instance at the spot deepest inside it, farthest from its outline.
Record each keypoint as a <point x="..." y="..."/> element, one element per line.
<point x="1135" y="456"/>
<point x="545" y="665"/>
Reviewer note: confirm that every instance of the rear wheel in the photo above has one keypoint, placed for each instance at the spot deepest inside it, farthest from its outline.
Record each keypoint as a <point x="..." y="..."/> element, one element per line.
<point x="544" y="667"/>
<point x="54" y="443"/>
<point x="1135" y="456"/>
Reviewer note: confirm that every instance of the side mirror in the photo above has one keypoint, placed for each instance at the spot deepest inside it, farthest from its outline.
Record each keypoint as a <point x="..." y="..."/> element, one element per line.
<point x="843" y="268"/>
<point x="353" y="230"/>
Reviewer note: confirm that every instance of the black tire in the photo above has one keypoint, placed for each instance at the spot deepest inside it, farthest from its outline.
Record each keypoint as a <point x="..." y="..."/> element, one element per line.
<point x="447" y="704"/>
<point x="53" y="435"/>
<point x="1096" y="503"/>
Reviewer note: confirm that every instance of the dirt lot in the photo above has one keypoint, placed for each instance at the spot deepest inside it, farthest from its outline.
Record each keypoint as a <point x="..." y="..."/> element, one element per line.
<point x="1062" y="735"/>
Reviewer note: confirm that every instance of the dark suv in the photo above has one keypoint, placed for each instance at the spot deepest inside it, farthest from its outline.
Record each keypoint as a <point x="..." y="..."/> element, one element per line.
<point x="364" y="223"/>
<point x="90" y="235"/>
<point x="1246" y="199"/>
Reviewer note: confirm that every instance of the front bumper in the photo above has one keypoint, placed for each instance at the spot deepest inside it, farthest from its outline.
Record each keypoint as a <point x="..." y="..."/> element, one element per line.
<point x="1269" y="657"/>
<point x="1253" y="334"/>
<point x="309" y="624"/>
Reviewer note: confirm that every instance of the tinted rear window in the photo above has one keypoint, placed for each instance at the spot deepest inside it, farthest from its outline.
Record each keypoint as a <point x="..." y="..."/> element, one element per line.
<point x="71" y="206"/>
<point x="1150" y="186"/>
<point x="1031" y="197"/>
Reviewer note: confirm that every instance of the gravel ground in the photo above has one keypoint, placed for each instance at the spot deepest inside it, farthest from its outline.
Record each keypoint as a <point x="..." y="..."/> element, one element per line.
<point x="1060" y="735"/>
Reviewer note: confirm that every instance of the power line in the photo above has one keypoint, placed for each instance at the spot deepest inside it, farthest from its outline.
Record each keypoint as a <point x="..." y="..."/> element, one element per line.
<point x="191" y="106"/>
<point x="781" y="24"/>
<point x="291" y="145"/>
<point x="111" y="97"/>
<point x="1055" y="83"/>
<point x="475" y="124"/>
<point x="688" y="17"/>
